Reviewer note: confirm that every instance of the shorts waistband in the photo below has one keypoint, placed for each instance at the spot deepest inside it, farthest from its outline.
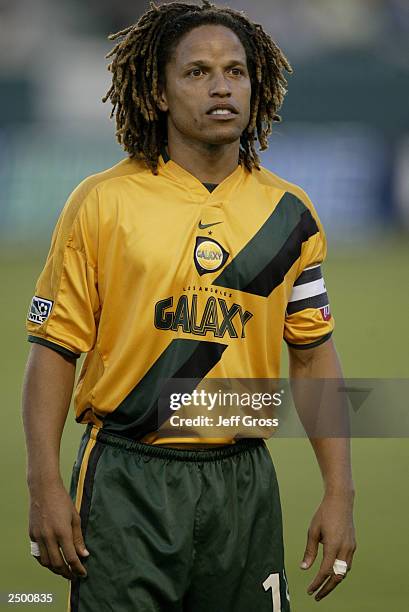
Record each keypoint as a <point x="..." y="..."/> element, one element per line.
<point x="149" y="450"/>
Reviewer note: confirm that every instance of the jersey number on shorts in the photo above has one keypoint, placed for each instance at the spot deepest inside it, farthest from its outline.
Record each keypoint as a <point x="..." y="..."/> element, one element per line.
<point x="273" y="582"/>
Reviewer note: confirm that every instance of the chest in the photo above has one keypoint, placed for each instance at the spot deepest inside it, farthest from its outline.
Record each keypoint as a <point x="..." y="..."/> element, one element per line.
<point x="238" y="244"/>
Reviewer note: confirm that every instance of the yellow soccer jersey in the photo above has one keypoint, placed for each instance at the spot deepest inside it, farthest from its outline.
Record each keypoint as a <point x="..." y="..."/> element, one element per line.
<point x="155" y="277"/>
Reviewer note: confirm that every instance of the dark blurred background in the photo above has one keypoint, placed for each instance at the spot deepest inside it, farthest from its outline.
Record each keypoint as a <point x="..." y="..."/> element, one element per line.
<point x="344" y="135"/>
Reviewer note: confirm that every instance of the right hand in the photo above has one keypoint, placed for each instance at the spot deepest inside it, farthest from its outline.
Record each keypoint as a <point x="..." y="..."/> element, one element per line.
<point x="56" y="527"/>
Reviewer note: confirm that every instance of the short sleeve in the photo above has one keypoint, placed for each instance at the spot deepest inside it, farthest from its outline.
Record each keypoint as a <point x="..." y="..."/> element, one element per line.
<point x="308" y="320"/>
<point x="64" y="312"/>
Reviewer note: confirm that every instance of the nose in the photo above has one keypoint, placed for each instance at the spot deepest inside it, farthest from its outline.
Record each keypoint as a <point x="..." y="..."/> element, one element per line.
<point x="219" y="85"/>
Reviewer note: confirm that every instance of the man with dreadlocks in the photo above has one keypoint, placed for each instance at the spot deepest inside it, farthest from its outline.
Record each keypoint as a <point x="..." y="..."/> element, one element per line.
<point x="186" y="260"/>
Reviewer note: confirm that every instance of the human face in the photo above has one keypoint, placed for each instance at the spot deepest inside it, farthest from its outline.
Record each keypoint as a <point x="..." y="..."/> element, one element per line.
<point x="208" y="69"/>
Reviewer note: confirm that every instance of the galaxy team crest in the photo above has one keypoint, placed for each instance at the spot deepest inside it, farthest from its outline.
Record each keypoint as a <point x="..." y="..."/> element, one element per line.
<point x="209" y="255"/>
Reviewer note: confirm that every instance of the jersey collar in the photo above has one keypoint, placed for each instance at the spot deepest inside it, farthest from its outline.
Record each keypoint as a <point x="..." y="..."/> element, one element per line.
<point x="169" y="168"/>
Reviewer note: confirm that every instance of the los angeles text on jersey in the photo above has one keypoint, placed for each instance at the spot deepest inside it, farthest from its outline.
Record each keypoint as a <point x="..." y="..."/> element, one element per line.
<point x="217" y="316"/>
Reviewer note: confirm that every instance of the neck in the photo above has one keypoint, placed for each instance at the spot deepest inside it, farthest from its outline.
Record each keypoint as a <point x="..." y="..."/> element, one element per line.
<point x="207" y="162"/>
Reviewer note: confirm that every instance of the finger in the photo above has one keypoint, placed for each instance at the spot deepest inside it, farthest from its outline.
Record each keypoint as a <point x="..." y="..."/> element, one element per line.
<point x="349" y="557"/>
<point x="325" y="571"/>
<point x="77" y="537"/>
<point x="311" y="549"/>
<point x="71" y="557"/>
<point x="43" y="559"/>
<point x="329" y="586"/>
<point x="57" y="562"/>
<point x="346" y="554"/>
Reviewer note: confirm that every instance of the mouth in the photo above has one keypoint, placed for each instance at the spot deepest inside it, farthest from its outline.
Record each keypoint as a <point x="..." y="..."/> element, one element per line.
<point x="222" y="111"/>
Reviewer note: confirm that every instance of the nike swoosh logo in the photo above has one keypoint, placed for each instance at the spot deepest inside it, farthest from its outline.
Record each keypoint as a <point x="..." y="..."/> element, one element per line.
<point x="204" y="225"/>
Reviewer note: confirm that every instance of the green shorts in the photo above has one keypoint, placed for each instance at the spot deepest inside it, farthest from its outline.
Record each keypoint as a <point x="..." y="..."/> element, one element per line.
<point x="174" y="530"/>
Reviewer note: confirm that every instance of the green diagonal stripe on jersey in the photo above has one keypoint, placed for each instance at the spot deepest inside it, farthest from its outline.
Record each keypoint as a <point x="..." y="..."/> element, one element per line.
<point x="265" y="260"/>
<point x="188" y="359"/>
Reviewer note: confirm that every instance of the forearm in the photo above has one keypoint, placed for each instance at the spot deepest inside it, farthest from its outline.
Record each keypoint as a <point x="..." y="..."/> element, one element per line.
<point x="333" y="453"/>
<point x="333" y="456"/>
<point x="47" y="389"/>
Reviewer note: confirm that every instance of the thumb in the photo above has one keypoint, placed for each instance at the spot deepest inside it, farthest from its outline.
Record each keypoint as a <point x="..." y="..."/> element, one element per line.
<point x="77" y="537"/>
<point x="311" y="550"/>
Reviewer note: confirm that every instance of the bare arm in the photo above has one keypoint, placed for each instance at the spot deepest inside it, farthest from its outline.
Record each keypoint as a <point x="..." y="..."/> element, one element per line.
<point x="47" y="390"/>
<point x="333" y="454"/>
<point x="54" y="521"/>
<point x="332" y="524"/>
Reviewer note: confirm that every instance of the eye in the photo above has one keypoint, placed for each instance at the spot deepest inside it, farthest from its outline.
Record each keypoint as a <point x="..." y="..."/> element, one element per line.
<point x="237" y="72"/>
<point x="195" y="70"/>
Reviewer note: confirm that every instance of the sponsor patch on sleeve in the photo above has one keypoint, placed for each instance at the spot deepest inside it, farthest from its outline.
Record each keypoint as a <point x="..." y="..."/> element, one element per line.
<point x="40" y="309"/>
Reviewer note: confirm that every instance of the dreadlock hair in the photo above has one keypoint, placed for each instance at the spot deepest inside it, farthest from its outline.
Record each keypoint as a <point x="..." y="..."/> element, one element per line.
<point x="138" y="74"/>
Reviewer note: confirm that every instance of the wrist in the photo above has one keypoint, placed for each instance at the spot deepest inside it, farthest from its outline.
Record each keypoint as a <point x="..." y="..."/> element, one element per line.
<point x="40" y="480"/>
<point x="345" y="491"/>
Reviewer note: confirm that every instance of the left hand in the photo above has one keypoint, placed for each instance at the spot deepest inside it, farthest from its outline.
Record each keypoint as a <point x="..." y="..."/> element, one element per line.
<point x="333" y="525"/>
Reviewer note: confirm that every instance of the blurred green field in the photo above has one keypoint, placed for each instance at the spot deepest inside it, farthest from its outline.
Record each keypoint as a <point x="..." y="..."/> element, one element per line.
<point x="369" y="292"/>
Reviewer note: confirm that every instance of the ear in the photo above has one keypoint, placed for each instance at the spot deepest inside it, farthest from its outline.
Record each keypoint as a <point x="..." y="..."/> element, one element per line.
<point x="163" y="101"/>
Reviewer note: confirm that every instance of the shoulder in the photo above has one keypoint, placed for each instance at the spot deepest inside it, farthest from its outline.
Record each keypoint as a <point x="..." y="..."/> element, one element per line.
<point x="80" y="214"/>
<point x="83" y="200"/>
<point x="297" y="205"/>
<point x="114" y="175"/>
<point x="296" y="196"/>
